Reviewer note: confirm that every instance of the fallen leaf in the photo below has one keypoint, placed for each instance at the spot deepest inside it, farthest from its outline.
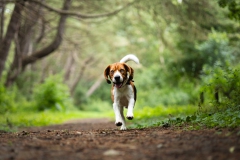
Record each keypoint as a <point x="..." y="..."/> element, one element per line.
<point x="159" y="145"/>
<point x="231" y="149"/>
<point x="112" y="152"/>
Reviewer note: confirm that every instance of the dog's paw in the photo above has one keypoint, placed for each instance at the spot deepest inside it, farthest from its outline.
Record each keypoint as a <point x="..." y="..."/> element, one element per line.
<point x="129" y="117"/>
<point x="123" y="128"/>
<point x="118" y="123"/>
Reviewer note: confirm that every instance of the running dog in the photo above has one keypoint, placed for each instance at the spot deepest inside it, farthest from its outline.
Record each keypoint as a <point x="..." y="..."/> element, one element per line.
<point x="123" y="92"/>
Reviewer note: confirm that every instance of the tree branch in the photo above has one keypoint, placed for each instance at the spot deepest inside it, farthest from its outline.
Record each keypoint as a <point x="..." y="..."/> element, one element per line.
<point x="79" y="15"/>
<point x="55" y="43"/>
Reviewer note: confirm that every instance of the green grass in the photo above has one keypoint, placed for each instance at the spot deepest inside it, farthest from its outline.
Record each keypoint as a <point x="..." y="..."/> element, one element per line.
<point x="228" y="117"/>
<point x="188" y="116"/>
<point x="160" y="115"/>
<point x="11" y="121"/>
<point x="162" y="111"/>
<point x="143" y="116"/>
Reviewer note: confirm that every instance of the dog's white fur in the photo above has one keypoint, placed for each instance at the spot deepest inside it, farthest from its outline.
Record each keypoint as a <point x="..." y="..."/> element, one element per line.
<point x="123" y="96"/>
<point x="130" y="57"/>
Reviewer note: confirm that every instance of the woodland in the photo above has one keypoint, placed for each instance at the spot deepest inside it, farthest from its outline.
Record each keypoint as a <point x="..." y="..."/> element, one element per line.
<point x="53" y="54"/>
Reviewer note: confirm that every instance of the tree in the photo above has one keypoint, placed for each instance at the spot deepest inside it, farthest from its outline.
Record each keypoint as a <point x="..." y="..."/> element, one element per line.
<point x="233" y="7"/>
<point x="27" y="50"/>
<point x="11" y="30"/>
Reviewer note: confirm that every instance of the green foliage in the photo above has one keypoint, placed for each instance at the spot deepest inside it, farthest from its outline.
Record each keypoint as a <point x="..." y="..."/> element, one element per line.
<point x="226" y="81"/>
<point x="7" y="99"/>
<point x="156" y="86"/>
<point x="52" y="94"/>
<point x="233" y="7"/>
<point x="191" y="119"/>
<point x="215" y="49"/>
<point x="181" y="46"/>
<point x="164" y="111"/>
<point x="224" y="118"/>
<point x="229" y="117"/>
<point x="161" y="116"/>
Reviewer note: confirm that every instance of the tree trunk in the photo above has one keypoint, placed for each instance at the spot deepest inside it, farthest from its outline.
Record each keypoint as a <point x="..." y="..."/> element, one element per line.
<point x="67" y="68"/>
<point x="80" y="75"/>
<point x="201" y="97"/>
<point x="33" y="57"/>
<point x="11" y="31"/>
<point x="55" y="43"/>
<point x="23" y="40"/>
<point x="2" y="9"/>
<point x="95" y="86"/>
<point x="216" y="95"/>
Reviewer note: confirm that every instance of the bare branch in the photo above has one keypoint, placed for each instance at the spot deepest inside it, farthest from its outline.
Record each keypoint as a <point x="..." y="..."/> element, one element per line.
<point x="55" y="43"/>
<point x="81" y="72"/>
<point x="95" y="86"/>
<point x="79" y="15"/>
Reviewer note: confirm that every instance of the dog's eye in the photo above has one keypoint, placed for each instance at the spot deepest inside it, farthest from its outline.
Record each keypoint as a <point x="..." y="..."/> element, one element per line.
<point x="112" y="71"/>
<point x="122" y="70"/>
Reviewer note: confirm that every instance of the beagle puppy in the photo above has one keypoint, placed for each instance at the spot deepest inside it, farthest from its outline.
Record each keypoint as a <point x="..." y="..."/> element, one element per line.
<point x="123" y="92"/>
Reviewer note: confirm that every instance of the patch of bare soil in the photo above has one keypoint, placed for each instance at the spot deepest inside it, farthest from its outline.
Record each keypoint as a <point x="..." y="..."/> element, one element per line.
<point x="97" y="139"/>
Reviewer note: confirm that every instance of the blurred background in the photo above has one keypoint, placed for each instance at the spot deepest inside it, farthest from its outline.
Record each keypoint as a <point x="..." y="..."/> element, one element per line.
<point x="53" y="54"/>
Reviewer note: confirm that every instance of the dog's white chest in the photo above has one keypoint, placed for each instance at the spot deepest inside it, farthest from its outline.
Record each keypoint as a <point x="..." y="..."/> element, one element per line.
<point x="122" y="95"/>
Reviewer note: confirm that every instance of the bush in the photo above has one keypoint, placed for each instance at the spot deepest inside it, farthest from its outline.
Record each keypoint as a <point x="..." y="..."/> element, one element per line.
<point x="225" y="81"/>
<point x="6" y="100"/>
<point x="53" y="94"/>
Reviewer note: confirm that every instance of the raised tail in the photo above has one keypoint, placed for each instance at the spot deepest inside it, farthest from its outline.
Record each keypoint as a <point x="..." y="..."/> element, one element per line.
<point x="129" y="57"/>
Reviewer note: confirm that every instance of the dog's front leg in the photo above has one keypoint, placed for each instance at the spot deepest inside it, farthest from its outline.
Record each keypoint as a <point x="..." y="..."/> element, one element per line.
<point x="117" y="112"/>
<point x="123" y="127"/>
<point x="130" y="108"/>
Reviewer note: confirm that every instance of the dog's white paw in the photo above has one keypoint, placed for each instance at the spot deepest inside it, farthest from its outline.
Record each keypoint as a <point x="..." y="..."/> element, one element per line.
<point x="118" y="123"/>
<point x="130" y="116"/>
<point x="123" y="128"/>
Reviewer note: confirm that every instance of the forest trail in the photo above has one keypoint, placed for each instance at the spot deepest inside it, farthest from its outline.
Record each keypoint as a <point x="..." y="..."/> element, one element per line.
<point x="97" y="139"/>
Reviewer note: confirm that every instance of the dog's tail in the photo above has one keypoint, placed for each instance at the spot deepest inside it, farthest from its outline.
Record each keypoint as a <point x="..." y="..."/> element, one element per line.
<point x="129" y="57"/>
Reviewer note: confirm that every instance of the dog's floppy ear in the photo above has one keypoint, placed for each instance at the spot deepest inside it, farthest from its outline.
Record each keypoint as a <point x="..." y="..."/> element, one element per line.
<point x="130" y="71"/>
<point x="106" y="74"/>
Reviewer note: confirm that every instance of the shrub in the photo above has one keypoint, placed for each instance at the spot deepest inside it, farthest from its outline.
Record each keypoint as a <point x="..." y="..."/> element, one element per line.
<point x="53" y="94"/>
<point x="6" y="100"/>
<point x="225" y="81"/>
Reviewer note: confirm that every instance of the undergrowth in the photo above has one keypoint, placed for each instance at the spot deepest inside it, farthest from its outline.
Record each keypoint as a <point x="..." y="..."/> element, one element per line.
<point x="223" y="111"/>
<point x="224" y="118"/>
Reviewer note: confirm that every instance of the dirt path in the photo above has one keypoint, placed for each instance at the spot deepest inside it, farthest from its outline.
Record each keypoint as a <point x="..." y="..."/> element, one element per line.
<point x="99" y="139"/>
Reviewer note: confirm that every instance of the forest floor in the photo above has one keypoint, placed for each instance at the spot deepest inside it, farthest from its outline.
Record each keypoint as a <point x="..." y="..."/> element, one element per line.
<point x="100" y="139"/>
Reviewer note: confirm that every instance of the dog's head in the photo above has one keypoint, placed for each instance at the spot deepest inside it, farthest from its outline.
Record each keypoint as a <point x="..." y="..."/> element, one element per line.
<point x="119" y="74"/>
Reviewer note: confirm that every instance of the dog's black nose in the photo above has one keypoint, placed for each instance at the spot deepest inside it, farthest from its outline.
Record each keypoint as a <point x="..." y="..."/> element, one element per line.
<point x="117" y="78"/>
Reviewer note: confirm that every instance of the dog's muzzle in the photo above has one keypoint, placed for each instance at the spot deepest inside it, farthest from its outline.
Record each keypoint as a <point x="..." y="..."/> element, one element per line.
<point x="117" y="82"/>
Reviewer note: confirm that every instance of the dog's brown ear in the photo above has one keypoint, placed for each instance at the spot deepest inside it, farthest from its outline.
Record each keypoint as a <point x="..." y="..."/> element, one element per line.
<point x="106" y="74"/>
<point x="130" y="71"/>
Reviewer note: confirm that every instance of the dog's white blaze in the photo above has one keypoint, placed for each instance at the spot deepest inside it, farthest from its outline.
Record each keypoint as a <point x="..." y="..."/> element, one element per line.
<point x="117" y="73"/>
<point x="123" y="97"/>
